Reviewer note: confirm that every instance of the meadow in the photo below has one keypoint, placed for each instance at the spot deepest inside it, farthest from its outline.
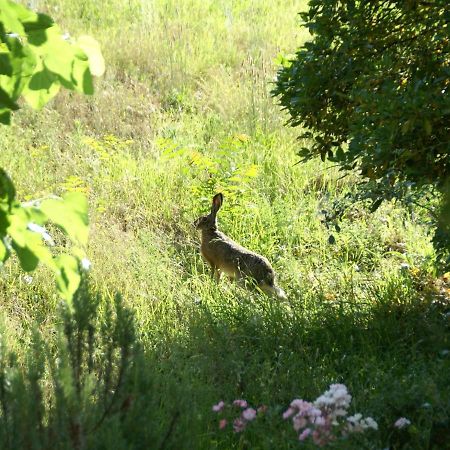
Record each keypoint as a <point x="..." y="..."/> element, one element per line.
<point x="184" y="111"/>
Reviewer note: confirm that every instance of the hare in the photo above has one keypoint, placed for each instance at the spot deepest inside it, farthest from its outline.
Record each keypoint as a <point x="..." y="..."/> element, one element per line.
<point x="225" y="255"/>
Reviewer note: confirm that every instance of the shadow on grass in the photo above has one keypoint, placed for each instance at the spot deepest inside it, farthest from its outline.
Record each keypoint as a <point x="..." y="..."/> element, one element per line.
<point x="391" y="354"/>
<point x="100" y="385"/>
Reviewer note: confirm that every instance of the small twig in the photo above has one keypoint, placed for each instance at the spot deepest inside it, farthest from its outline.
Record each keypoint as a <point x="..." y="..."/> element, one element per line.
<point x="169" y="430"/>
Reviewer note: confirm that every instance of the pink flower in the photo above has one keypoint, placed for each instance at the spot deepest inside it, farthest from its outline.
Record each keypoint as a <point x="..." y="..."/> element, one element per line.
<point x="299" y="422"/>
<point x="402" y="423"/>
<point x="240" y="403"/>
<point x="319" y="421"/>
<point x="317" y="438"/>
<point x="288" y="413"/>
<point x="239" y="425"/>
<point x="249" y="414"/>
<point x="305" y="433"/>
<point x="223" y="424"/>
<point x="218" y="407"/>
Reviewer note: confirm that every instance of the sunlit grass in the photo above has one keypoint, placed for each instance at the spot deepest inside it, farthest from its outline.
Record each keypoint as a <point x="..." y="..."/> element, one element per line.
<point x="194" y="77"/>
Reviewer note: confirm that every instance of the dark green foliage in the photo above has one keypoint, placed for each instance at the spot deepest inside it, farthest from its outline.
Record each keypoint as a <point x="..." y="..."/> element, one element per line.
<point x="81" y="393"/>
<point x="372" y="90"/>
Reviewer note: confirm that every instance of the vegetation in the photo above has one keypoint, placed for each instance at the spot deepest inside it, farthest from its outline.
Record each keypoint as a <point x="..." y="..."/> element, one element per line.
<point x="36" y="60"/>
<point x="183" y="111"/>
<point x="371" y="91"/>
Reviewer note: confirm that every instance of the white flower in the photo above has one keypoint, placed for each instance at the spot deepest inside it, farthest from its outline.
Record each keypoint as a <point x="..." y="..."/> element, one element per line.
<point x="370" y="423"/>
<point x="356" y="418"/>
<point x="402" y="423"/>
<point x="28" y="279"/>
<point x="85" y="264"/>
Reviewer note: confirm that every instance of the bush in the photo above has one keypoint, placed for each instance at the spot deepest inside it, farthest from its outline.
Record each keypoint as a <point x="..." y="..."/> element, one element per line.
<point x="86" y="392"/>
<point x="371" y="90"/>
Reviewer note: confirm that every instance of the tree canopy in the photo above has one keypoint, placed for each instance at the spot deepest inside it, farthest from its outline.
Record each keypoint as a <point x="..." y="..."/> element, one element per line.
<point x="371" y="92"/>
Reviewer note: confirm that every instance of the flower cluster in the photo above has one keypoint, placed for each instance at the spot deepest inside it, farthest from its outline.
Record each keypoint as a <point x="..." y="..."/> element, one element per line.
<point x="326" y="418"/>
<point x="246" y="414"/>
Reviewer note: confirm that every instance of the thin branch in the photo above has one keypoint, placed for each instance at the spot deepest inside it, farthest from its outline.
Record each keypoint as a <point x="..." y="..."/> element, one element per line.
<point x="169" y="430"/>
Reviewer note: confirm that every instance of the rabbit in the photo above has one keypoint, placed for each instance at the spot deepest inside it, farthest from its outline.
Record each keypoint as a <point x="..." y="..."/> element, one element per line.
<point x="225" y="255"/>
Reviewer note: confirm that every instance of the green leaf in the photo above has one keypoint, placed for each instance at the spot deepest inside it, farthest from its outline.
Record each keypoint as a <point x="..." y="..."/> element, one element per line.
<point x="67" y="276"/>
<point x="70" y="214"/>
<point x="5" y="117"/>
<point x="42" y="87"/>
<point x="22" y="62"/>
<point x="4" y="252"/>
<point x="28" y="260"/>
<point x="92" y="49"/>
<point x="9" y="17"/>
<point x="37" y="21"/>
<point x="82" y="78"/>
<point x="6" y="101"/>
<point x="7" y="190"/>
<point x="28" y="18"/>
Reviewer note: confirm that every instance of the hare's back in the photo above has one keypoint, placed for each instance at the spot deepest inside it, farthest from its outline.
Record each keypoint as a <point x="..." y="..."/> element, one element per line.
<point x="236" y="260"/>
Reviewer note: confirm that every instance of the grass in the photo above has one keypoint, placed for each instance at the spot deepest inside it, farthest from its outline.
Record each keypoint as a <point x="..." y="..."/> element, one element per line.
<point x="184" y="111"/>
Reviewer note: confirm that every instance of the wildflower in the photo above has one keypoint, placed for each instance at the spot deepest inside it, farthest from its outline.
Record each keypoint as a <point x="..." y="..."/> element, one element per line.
<point x="288" y="413"/>
<point x="299" y="422"/>
<point x="28" y="279"/>
<point x="223" y="424"/>
<point x="239" y="425"/>
<point x="85" y="264"/>
<point x="249" y="414"/>
<point x="402" y="422"/>
<point x="240" y="403"/>
<point x="370" y="423"/>
<point x="218" y="407"/>
<point x="320" y="421"/>
<point x="304" y="434"/>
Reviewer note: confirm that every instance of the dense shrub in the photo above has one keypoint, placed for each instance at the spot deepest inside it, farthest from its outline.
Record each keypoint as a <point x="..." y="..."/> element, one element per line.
<point x="84" y="390"/>
<point x="371" y="90"/>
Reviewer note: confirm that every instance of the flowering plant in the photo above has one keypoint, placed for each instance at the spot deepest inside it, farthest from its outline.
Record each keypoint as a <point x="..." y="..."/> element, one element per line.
<point x="323" y="420"/>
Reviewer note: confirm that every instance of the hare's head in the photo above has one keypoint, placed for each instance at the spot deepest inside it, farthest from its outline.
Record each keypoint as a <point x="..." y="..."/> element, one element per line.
<point x="210" y="221"/>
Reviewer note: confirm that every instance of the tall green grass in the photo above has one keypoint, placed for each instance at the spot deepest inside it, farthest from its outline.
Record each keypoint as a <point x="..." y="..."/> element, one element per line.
<point x="183" y="111"/>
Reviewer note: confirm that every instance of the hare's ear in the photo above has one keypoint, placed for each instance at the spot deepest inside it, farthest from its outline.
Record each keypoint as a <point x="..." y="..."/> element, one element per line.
<point x="216" y="203"/>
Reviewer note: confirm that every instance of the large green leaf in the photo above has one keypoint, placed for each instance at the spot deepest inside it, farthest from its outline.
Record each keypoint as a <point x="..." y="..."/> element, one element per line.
<point x="92" y="49"/>
<point x="43" y="86"/>
<point x="21" y="61"/>
<point x="28" y="19"/>
<point x="10" y="18"/>
<point x="57" y="54"/>
<point x="70" y="214"/>
<point x="67" y="276"/>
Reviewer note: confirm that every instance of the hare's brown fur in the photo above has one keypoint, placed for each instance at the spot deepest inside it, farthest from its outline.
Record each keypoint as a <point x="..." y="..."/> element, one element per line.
<point x="226" y="256"/>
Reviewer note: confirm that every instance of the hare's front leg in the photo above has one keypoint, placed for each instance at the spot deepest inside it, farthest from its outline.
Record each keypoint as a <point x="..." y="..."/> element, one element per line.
<point x="215" y="273"/>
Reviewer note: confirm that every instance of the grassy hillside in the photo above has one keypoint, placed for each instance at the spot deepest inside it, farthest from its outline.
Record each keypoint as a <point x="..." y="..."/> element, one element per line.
<point x="184" y="111"/>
